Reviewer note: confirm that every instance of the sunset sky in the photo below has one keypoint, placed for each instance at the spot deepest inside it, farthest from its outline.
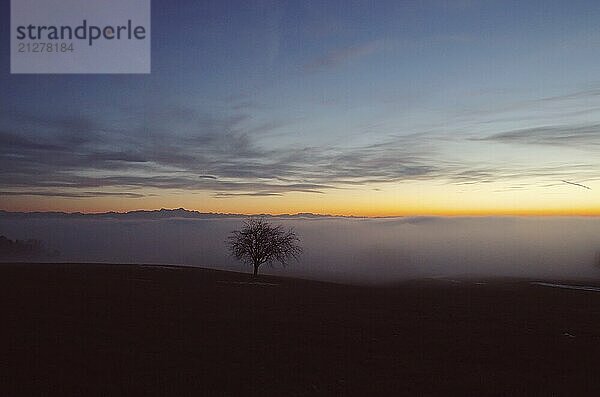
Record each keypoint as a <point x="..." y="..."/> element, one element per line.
<point x="385" y="108"/>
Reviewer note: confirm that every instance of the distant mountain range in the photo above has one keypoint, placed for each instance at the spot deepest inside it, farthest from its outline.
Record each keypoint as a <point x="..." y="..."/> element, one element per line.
<point x="154" y="214"/>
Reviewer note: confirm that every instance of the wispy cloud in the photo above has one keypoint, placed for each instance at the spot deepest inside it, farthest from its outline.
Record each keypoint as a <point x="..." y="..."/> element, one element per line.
<point x="340" y="56"/>
<point x="230" y="155"/>
<point x="54" y="193"/>
<point x="582" y="135"/>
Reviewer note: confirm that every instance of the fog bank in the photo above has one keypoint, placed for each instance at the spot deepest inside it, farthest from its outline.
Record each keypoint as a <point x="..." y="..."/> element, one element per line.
<point x="338" y="249"/>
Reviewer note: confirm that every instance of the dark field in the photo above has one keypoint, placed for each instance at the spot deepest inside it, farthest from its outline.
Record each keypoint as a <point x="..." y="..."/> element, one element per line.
<point x="83" y="330"/>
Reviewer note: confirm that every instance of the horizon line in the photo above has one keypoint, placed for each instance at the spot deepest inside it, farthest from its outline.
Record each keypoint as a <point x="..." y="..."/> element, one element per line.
<point x="474" y="214"/>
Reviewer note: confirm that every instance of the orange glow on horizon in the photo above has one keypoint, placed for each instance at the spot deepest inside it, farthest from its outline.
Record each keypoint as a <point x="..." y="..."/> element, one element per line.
<point x="421" y="199"/>
<point x="91" y="208"/>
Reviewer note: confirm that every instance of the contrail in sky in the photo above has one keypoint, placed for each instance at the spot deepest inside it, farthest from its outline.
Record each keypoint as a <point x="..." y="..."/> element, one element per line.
<point x="577" y="184"/>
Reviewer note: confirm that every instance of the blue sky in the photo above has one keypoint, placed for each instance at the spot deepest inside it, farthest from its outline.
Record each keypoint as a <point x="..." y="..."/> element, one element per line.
<point x="304" y="105"/>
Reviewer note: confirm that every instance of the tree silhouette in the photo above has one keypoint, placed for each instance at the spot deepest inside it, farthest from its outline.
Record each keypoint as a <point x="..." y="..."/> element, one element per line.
<point x="20" y="248"/>
<point x="260" y="242"/>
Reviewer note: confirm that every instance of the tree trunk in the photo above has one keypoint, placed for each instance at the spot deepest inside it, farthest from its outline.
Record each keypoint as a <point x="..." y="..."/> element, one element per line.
<point x="256" y="265"/>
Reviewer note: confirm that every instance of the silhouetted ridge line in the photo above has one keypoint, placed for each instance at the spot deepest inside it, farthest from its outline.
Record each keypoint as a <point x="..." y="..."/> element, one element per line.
<point x="158" y="214"/>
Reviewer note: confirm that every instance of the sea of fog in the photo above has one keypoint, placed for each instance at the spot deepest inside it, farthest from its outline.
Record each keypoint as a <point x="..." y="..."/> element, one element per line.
<point x="340" y="249"/>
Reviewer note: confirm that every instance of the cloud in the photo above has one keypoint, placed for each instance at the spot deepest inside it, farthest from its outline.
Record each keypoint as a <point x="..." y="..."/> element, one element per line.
<point x="232" y="155"/>
<point x="582" y="136"/>
<point x="581" y="94"/>
<point x="340" y="56"/>
<point x="343" y="55"/>
<point x="253" y="194"/>
<point x="220" y="154"/>
<point x="50" y="193"/>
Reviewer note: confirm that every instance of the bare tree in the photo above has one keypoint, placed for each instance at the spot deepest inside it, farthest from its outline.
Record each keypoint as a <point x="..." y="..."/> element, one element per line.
<point x="261" y="242"/>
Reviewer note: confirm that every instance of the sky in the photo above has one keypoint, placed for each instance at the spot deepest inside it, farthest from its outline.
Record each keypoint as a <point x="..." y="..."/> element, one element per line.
<point x="354" y="108"/>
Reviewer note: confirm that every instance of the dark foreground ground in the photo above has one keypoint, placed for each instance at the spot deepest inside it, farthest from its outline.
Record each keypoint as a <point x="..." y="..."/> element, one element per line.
<point x="116" y="330"/>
